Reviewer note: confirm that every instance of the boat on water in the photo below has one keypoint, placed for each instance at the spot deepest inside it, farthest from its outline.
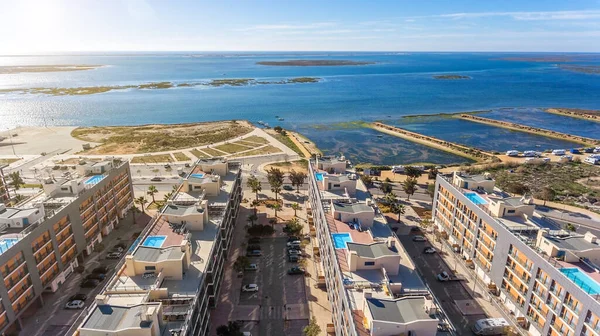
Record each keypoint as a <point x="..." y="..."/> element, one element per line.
<point x="380" y="136"/>
<point x="280" y="119"/>
<point x="260" y="122"/>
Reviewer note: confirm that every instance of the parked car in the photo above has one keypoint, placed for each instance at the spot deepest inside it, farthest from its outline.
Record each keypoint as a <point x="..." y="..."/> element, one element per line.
<point x="288" y="187"/>
<point x="419" y="239"/>
<point x="415" y="229"/>
<point x="100" y="269"/>
<point x="251" y="267"/>
<point x="250" y="288"/>
<point x="253" y="247"/>
<point x="79" y="297"/>
<point x="75" y="304"/>
<point x="293" y="243"/>
<point x="187" y="165"/>
<point x="294" y="252"/>
<point x="89" y="283"/>
<point x="444" y="276"/>
<point x="114" y="255"/>
<point x="293" y="258"/>
<point x="429" y="250"/>
<point x="96" y="276"/>
<point x="293" y="238"/>
<point x="295" y="247"/>
<point x="167" y="166"/>
<point x="254" y="240"/>
<point x="156" y="179"/>
<point x="254" y="253"/>
<point x="296" y="270"/>
<point x="121" y="245"/>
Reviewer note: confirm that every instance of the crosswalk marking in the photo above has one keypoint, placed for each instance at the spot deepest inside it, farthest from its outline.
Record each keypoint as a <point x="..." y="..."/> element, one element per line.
<point x="272" y="313"/>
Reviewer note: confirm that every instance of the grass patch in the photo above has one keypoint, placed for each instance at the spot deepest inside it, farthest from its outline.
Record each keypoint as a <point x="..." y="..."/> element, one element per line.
<point x="284" y="139"/>
<point x="232" y="148"/>
<point x="31" y="185"/>
<point x="257" y="139"/>
<point x="260" y="151"/>
<point x="179" y="156"/>
<point x="212" y="152"/>
<point x="8" y="161"/>
<point x="162" y="158"/>
<point x="159" y="138"/>
<point x="198" y="153"/>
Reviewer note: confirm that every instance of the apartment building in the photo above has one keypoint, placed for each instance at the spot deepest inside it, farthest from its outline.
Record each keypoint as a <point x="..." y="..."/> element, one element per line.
<point x="371" y="281"/>
<point x="546" y="277"/>
<point x="4" y="195"/>
<point x="171" y="276"/>
<point x="45" y="238"/>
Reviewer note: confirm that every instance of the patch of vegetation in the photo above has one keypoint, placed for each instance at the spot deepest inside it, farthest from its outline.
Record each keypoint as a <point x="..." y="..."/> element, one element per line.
<point x="198" y="153"/>
<point x="8" y="161"/>
<point x="161" y="158"/>
<point x="587" y="69"/>
<point x="232" y="148"/>
<point x="256" y="139"/>
<point x="213" y="152"/>
<point x="179" y="156"/>
<point x="260" y="151"/>
<point x="342" y="125"/>
<point x="450" y="77"/>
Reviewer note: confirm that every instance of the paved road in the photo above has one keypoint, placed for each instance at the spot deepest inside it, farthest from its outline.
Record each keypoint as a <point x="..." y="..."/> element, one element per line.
<point x="429" y="265"/>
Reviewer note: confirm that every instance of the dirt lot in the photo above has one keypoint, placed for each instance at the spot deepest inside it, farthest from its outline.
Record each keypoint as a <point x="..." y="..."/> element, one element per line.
<point x="286" y="167"/>
<point x="157" y="138"/>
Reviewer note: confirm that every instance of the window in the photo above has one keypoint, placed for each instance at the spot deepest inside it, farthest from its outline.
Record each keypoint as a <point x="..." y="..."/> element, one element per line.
<point x="150" y="268"/>
<point x="369" y="263"/>
<point x="511" y="211"/>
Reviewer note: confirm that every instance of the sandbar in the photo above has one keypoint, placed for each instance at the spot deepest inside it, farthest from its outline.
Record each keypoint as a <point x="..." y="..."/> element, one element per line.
<point x="16" y="69"/>
<point x="313" y="63"/>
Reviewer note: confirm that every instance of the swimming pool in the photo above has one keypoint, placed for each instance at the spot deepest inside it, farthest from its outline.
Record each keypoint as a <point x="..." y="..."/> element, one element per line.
<point x="582" y="280"/>
<point x="154" y="241"/>
<point x="6" y="243"/>
<point x="319" y="176"/>
<point x="340" y="240"/>
<point x="197" y="175"/>
<point x="94" y="179"/>
<point x="476" y="198"/>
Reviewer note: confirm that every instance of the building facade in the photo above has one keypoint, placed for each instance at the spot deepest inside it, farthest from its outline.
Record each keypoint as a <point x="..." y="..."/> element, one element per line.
<point x="546" y="277"/>
<point x="169" y="279"/>
<point x="41" y="241"/>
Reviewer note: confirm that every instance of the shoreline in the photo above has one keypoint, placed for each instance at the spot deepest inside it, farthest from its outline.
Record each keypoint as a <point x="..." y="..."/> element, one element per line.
<point x="574" y="113"/>
<point x="436" y="143"/>
<point x="532" y="130"/>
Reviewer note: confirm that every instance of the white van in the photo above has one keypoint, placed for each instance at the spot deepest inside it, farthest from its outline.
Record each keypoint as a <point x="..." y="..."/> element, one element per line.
<point x="559" y="152"/>
<point x="490" y="326"/>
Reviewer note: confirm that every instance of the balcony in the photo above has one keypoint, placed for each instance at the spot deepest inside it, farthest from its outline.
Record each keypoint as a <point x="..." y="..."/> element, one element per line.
<point x="538" y="309"/>
<point x="487" y="245"/>
<point x="521" y="276"/>
<point x="8" y="270"/>
<point x="526" y="267"/>
<point x="515" y="285"/>
<point x="38" y="246"/>
<point x="588" y="324"/>
<point x="540" y="293"/>
<point x="19" y="292"/>
<point x="558" y="294"/>
<point x="48" y="266"/>
<point x="544" y="284"/>
<point x="571" y="324"/>
<point x="40" y="258"/>
<point x="65" y="237"/>
<point x="61" y="228"/>
<point x="539" y="322"/>
<point x="574" y="309"/>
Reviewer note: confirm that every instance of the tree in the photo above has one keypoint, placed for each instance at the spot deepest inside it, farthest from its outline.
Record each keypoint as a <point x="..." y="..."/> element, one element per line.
<point x="254" y="184"/>
<point x="409" y="186"/>
<point x="295" y="207"/>
<point x="17" y="181"/>
<point x="425" y="223"/>
<point x="134" y="210"/>
<point x="547" y="194"/>
<point x="312" y="329"/>
<point x="386" y="188"/>
<point x="367" y="180"/>
<point x="411" y="171"/>
<point x="278" y="129"/>
<point x="431" y="189"/>
<point x="252" y="218"/>
<point x="398" y="209"/>
<point x="151" y="191"/>
<point x="390" y="197"/>
<point x="297" y="179"/>
<point x="175" y="188"/>
<point x="231" y="329"/>
<point x="275" y="177"/>
<point x="276" y="207"/>
<point x="570" y="227"/>
<point x="141" y="201"/>
<point x="167" y="197"/>
<point x="432" y="173"/>
<point x="241" y="263"/>
<point x="293" y="228"/>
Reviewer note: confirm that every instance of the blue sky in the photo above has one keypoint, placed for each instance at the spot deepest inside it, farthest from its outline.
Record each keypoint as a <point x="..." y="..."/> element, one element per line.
<point x="31" y="26"/>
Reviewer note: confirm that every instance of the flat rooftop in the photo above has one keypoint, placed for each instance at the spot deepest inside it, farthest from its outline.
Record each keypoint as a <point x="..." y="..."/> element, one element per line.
<point x="401" y="310"/>
<point x="352" y="207"/>
<point x="108" y="317"/>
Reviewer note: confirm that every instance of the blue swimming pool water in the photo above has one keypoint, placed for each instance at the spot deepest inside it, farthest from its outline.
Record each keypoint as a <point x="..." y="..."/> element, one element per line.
<point x="582" y="280"/>
<point x="94" y="179"/>
<point x="340" y="240"/>
<point x="136" y="242"/>
<point x="154" y="241"/>
<point x="197" y="175"/>
<point x="319" y="176"/>
<point x="476" y="198"/>
<point x="7" y="243"/>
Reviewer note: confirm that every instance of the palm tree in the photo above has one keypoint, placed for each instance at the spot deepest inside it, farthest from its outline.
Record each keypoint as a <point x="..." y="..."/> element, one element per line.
<point x="390" y="197"/>
<point x="295" y="207"/>
<point x="167" y="197"/>
<point x="141" y="201"/>
<point x="151" y="191"/>
<point x="275" y="177"/>
<point x="398" y="209"/>
<point x="409" y="186"/>
<point x="134" y="210"/>
<point x="16" y="180"/>
<point x="276" y="207"/>
<point x="254" y="184"/>
<point x="175" y="188"/>
<point x="252" y="218"/>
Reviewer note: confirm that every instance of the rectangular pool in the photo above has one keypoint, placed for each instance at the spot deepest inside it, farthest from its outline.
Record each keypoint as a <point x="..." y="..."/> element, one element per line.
<point x="340" y="240"/>
<point x="94" y="179"/>
<point x="319" y="176"/>
<point x="476" y="198"/>
<point x="6" y="243"/>
<point x="154" y="241"/>
<point x="582" y="280"/>
<point x="197" y="175"/>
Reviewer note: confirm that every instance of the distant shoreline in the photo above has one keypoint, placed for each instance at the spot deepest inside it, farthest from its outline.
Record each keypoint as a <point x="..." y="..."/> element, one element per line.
<point x="313" y="63"/>
<point x="17" y="69"/>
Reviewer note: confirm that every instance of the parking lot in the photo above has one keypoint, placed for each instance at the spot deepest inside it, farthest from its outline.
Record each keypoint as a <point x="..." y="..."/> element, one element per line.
<point x="276" y="291"/>
<point x="429" y="265"/>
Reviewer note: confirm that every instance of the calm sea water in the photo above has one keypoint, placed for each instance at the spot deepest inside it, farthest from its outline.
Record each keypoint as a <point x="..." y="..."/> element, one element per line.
<point x="397" y="85"/>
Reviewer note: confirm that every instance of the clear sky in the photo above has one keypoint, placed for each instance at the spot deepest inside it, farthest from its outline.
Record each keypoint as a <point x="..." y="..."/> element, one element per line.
<point x="33" y="26"/>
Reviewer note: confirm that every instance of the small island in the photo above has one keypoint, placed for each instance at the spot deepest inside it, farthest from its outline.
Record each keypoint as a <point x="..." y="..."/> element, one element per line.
<point x="79" y="91"/>
<point x="451" y="77"/>
<point x="313" y="63"/>
<point x="587" y="69"/>
<point x="17" y="69"/>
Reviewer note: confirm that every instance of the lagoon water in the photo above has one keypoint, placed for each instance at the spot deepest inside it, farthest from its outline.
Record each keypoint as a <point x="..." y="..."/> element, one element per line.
<point x="398" y="84"/>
